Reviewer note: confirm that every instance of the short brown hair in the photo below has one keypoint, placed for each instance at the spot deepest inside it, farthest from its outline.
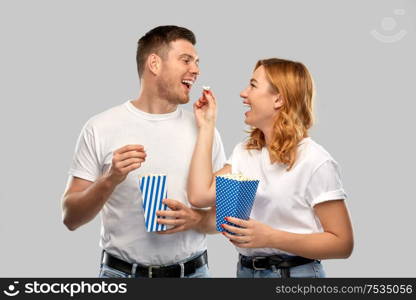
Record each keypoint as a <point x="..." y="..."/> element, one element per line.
<point x="157" y="40"/>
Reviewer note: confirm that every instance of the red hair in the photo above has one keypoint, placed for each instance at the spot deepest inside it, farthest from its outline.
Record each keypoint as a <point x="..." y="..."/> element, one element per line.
<point x="293" y="82"/>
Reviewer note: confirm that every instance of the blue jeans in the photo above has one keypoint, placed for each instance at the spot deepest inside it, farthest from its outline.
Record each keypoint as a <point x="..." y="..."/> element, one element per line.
<point x="107" y="272"/>
<point x="310" y="270"/>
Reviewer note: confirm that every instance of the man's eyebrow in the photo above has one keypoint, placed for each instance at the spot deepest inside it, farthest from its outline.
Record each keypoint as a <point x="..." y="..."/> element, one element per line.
<point x="189" y="56"/>
<point x="252" y="80"/>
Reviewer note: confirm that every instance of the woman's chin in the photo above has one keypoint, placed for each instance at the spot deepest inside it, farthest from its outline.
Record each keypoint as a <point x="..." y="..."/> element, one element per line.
<point x="247" y="121"/>
<point x="247" y="118"/>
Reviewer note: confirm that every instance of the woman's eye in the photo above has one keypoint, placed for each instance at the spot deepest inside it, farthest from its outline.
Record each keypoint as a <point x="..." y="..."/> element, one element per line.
<point x="252" y="85"/>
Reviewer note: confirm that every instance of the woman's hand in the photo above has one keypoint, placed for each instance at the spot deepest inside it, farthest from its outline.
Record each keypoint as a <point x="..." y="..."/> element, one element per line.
<point x="336" y="240"/>
<point x="250" y="234"/>
<point x="205" y="109"/>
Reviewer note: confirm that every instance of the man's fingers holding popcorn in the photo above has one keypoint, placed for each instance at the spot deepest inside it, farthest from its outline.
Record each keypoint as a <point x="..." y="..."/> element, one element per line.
<point x="131" y="154"/>
<point x="133" y="147"/>
<point x="125" y="160"/>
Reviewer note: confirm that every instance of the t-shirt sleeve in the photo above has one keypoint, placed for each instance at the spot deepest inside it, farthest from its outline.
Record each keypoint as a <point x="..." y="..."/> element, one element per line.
<point x="325" y="184"/>
<point x="218" y="153"/>
<point x="85" y="162"/>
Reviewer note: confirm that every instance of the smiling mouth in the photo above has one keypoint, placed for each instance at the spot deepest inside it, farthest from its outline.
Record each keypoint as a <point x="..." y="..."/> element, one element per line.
<point x="188" y="83"/>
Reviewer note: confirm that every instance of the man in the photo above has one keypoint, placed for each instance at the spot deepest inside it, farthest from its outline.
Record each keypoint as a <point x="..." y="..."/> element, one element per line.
<point x="150" y="134"/>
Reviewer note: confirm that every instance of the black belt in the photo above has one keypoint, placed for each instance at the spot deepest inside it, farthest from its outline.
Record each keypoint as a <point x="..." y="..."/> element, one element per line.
<point x="174" y="270"/>
<point x="260" y="263"/>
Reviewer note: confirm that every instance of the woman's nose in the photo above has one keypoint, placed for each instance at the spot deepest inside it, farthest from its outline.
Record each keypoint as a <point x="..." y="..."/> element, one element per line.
<point x="243" y="93"/>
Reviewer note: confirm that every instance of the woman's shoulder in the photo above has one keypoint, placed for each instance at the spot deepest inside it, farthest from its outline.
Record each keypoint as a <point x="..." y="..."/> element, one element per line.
<point x="242" y="147"/>
<point x="242" y="152"/>
<point x="314" y="152"/>
<point x="239" y="149"/>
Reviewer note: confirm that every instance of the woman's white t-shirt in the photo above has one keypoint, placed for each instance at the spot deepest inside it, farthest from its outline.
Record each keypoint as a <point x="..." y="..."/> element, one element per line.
<point x="285" y="199"/>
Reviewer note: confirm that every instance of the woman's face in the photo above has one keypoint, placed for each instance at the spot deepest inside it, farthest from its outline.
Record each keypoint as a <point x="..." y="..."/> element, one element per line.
<point x="261" y="100"/>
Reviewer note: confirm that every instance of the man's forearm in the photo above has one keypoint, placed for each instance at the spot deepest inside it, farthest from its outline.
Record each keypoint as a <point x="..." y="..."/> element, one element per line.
<point x="81" y="207"/>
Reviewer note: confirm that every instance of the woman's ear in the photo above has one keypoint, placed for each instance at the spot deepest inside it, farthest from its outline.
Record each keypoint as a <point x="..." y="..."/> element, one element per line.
<point x="154" y="63"/>
<point x="278" y="101"/>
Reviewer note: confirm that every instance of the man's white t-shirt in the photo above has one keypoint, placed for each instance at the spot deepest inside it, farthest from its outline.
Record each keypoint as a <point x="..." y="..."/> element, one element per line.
<point x="169" y="141"/>
<point x="285" y="199"/>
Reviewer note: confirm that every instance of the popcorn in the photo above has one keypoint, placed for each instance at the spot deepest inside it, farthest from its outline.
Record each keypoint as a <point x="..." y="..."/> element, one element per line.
<point x="206" y="88"/>
<point x="235" y="194"/>
<point x="153" y="188"/>
<point x="239" y="177"/>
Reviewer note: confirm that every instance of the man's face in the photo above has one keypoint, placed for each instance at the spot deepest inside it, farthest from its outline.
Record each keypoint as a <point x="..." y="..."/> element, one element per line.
<point x="179" y="71"/>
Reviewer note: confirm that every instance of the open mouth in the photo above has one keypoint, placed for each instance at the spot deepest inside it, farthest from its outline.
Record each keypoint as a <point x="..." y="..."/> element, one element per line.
<point x="188" y="84"/>
<point x="247" y="106"/>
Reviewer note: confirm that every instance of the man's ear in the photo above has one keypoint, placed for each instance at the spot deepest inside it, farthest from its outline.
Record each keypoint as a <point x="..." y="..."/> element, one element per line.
<point x="154" y="63"/>
<point x="278" y="101"/>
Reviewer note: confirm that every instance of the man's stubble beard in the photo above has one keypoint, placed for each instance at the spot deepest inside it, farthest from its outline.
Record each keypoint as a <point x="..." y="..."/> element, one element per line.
<point x="166" y="88"/>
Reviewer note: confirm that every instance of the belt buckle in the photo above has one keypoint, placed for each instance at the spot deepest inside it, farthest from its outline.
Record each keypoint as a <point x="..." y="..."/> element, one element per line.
<point x="150" y="270"/>
<point x="254" y="263"/>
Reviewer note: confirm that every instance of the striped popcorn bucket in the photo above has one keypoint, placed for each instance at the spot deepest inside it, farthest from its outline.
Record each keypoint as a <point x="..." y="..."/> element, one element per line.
<point x="154" y="190"/>
<point x="235" y="196"/>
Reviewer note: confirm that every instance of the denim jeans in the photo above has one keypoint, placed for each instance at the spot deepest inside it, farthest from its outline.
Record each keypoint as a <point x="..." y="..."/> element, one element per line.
<point x="310" y="270"/>
<point x="107" y="272"/>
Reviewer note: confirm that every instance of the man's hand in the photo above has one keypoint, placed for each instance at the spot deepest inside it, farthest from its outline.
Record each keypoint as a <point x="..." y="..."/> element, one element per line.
<point x="180" y="216"/>
<point x="125" y="160"/>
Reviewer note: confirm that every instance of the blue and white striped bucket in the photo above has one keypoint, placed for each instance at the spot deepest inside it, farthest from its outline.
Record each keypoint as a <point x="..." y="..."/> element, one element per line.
<point x="154" y="190"/>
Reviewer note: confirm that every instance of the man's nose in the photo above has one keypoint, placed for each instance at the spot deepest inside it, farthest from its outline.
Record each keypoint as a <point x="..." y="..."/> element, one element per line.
<point x="195" y="69"/>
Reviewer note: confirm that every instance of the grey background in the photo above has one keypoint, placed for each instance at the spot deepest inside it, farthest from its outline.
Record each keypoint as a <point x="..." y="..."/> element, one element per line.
<point x="63" y="61"/>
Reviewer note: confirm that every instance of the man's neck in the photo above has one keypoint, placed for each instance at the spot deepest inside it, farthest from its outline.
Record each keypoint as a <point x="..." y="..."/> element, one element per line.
<point x="153" y="104"/>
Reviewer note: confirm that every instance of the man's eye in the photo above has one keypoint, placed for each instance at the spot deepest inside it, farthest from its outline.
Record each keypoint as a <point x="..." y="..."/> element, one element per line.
<point x="252" y="85"/>
<point x="187" y="61"/>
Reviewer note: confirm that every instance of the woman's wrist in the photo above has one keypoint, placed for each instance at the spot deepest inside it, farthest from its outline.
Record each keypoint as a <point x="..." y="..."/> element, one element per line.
<point x="273" y="238"/>
<point x="208" y="126"/>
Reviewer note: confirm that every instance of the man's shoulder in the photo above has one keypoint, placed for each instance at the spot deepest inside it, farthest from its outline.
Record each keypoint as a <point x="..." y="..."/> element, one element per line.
<point x="108" y="116"/>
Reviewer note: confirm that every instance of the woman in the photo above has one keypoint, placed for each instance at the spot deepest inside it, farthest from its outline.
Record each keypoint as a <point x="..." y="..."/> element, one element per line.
<point x="299" y="216"/>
